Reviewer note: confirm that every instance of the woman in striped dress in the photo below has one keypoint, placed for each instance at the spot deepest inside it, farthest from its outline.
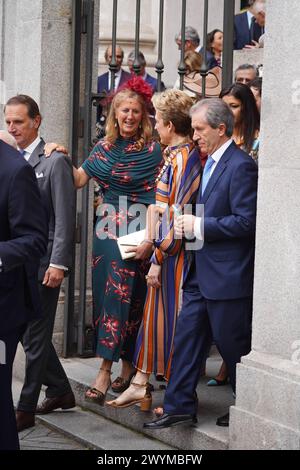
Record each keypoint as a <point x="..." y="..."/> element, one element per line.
<point x="177" y="186"/>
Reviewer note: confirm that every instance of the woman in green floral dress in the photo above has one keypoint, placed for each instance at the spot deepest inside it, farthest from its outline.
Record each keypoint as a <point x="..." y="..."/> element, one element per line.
<point x="125" y="165"/>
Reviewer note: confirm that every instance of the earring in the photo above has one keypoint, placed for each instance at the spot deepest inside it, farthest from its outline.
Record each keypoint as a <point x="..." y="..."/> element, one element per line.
<point x="116" y="124"/>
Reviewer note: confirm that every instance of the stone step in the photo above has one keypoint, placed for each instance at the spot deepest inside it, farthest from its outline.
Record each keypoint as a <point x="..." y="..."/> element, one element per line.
<point x="213" y="402"/>
<point x="86" y="428"/>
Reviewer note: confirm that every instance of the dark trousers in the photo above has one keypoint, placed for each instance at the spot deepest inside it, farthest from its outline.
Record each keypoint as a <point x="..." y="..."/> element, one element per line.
<point x="227" y="322"/>
<point x="8" y="427"/>
<point x="42" y="364"/>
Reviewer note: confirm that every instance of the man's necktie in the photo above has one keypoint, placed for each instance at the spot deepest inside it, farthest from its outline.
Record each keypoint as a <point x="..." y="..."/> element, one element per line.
<point x="206" y="173"/>
<point x="22" y="152"/>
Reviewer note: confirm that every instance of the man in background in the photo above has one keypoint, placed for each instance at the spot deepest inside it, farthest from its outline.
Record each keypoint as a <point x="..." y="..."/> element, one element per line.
<point x="245" y="73"/>
<point x="152" y="81"/>
<point x="246" y="28"/>
<point x="105" y="81"/>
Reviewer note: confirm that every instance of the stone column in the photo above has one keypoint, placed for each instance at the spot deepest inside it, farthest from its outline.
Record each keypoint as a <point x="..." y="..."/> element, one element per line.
<point x="36" y="58"/>
<point x="267" y="410"/>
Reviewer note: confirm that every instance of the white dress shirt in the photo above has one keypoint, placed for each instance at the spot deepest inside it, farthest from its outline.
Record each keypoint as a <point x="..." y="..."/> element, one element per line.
<point x="31" y="148"/>
<point x="217" y="155"/>
<point x="117" y="79"/>
<point x="249" y="16"/>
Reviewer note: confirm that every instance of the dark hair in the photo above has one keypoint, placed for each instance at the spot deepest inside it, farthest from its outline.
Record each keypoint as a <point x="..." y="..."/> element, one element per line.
<point x="31" y="105"/>
<point x="210" y="39"/>
<point x="256" y="83"/>
<point x="250" y="115"/>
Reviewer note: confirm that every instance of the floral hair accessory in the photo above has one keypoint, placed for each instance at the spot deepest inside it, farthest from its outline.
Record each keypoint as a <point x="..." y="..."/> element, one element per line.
<point x="137" y="85"/>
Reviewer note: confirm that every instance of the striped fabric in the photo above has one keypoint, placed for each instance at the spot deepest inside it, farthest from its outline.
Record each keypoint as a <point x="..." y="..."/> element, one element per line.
<point x="179" y="185"/>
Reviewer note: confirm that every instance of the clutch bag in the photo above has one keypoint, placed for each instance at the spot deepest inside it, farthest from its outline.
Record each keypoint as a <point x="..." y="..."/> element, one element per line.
<point x="130" y="240"/>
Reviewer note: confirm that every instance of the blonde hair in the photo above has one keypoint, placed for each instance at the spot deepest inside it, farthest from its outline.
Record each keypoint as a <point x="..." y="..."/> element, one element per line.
<point x="174" y="106"/>
<point x="193" y="61"/>
<point x="144" y="132"/>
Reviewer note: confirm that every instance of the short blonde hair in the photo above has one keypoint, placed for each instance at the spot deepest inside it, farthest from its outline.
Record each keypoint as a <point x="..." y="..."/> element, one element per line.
<point x="144" y="133"/>
<point x="174" y="106"/>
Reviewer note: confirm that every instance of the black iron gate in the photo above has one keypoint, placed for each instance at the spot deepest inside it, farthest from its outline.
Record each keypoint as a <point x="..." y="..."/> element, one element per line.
<point x="76" y="332"/>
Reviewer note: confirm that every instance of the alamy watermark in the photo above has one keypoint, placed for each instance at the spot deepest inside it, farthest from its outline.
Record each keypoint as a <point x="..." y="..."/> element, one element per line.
<point x="123" y="219"/>
<point x="2" y="353"/>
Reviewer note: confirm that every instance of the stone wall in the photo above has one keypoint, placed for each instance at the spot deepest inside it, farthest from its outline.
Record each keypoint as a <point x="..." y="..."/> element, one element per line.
<point x="267" y="411"/>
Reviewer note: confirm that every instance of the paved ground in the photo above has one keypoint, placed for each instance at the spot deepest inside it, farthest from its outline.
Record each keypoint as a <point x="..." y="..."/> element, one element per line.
<point x="42" y="438"/>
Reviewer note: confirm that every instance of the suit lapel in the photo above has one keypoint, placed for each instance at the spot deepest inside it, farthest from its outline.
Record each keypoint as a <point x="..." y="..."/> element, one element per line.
<point x="218" y="172"/>
<point x="35" y="157"/>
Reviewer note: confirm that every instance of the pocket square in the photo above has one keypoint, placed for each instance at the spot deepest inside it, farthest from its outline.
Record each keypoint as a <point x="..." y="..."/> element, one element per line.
<point x="39" y="175"/>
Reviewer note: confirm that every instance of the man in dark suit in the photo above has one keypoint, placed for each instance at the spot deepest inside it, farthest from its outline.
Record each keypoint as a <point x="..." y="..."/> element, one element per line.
<point x="55" y="181"/>
<point x="104" y="80"/>
<point x="217" y="298"/>
<point x="152" y="81"/>
<point x="23" y="240"/>
<point x="246" y="28"/>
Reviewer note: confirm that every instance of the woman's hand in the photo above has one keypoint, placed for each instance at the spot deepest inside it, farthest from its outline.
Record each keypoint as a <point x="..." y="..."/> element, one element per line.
<point x="153" y="277"/>
<point x="52" y="147"/>
<point x="143" y="251"/>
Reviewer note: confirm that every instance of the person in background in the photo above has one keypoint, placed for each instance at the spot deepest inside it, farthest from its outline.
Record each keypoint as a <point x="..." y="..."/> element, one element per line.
<point x="104" y="86"/>
<point x="192" y="39"/>
<point x="245" y="73"/>
<point x="242" y="103"/>
<point x="192" y="81"/>
<point x="256" y="88"/>
<point x="215" y="45"/>
<point x="246" y="29"/>
<point x="152" y="81"/>
<point x="192" y="43"/>
<point x="259" y="11"/>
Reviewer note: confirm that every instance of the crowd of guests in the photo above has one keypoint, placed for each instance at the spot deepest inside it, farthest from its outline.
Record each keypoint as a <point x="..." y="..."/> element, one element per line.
<point x="159" y="311"/>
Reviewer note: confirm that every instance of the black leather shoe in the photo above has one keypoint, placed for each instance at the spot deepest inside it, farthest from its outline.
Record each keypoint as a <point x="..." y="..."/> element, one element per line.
<point x="24" y="420"/>
<point x="167" y="421"/>
<point x="223" y="420"/>
<point x="65" y="402"/>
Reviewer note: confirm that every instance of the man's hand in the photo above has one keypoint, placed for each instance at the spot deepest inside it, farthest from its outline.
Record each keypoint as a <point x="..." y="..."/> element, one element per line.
<point x="143" y="251"/>
<point x="254" y="46"/>
<point x="52" y="147"/>
<point x="153" y="277"/>
<point x="53" y="277"/>
<point x="184" y="226"/>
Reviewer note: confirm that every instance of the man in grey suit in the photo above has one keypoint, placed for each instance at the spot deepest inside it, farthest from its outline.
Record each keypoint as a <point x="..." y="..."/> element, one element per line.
<point x="55" y="181"/>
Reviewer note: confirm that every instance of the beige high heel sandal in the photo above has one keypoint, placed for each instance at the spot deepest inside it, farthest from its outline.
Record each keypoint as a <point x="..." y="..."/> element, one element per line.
<point x="145" y="401"/>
